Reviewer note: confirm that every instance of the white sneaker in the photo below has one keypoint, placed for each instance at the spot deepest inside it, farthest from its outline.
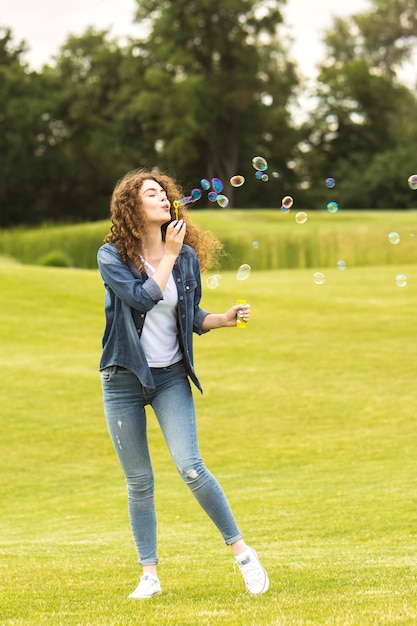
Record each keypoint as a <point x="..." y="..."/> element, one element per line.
<point x="149" y="586"/>
<point x="255" y="577"/>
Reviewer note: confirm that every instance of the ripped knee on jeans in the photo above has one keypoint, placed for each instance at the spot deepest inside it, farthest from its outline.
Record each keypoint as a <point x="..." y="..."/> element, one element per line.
<point x="191" y="473"/>
<point x="191" y="469"/>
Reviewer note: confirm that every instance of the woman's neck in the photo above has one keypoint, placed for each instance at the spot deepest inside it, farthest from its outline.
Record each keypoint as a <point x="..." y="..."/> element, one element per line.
<point x="153" y="247"/>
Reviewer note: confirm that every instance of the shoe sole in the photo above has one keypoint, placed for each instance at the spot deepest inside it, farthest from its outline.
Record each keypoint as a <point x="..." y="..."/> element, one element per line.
<point x="132" y="597"/>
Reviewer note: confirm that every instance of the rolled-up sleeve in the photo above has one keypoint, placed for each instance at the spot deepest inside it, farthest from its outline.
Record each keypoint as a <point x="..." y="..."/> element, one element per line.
<point x="199" y="317"/>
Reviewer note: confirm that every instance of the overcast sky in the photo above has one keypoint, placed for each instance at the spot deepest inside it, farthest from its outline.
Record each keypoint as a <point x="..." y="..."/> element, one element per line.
<point x="46" y="24"/>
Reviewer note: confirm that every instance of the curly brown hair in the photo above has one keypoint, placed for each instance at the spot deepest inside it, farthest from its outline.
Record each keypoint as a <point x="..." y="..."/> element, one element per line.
<point x="128" y="220"/>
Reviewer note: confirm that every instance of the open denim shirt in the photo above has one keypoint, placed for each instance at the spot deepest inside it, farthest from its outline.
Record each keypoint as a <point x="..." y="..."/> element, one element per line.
<point x="130" y="295"/>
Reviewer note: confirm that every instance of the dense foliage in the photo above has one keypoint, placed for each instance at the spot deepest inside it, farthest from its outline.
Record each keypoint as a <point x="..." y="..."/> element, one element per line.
<point x="208" y="87"/>
<point x="363" y="129"/>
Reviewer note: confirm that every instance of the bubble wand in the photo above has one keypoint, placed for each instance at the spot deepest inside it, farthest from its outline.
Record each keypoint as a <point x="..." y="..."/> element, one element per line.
<point x="175" y="205"/>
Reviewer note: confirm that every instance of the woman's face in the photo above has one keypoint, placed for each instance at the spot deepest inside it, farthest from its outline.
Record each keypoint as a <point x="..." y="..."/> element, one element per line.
<point x="155" y="204"/>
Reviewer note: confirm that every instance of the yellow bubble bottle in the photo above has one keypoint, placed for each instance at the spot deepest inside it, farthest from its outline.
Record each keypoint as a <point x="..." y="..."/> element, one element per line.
<point x="240" y="322"/>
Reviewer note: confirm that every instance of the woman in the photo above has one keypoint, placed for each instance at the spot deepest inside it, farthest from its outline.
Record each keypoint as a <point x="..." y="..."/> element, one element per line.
<point x="150" y="264"/>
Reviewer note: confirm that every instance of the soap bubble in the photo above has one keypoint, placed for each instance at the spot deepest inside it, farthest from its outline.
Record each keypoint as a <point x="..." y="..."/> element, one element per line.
<point x="212" y="196"/>
<point x="255" y="245"/>
<point x="205" y="184"/>
<point x="301" y="217"/>
<point x="412" y="182"/>
<point x="243" y="272"/>
<point x="332" y="207"/>
<point x="287" y="202"/>
<point x="275" y="174"/>
<point x="258" y="174"/>
<point x="394" y="238"/>
<point x="217" y="184"/>
<point x="319" y="278"/>
<point x="401" y="280"/>
<point x="341" y="265"/>
<point x="285" y="209"/>
<point x="330" y="182"/>
<point x="265" y="178"/>
<point x="237" y="181"/>
<point x="259" y="163"/>
<point x="222" y="201"/>
<point x="196" y="194"/>
<point x="213" y="281"/>
<point x="184" y="201"/>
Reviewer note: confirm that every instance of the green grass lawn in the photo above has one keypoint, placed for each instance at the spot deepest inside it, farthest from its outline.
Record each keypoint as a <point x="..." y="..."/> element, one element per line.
<point x="308" y="421"/>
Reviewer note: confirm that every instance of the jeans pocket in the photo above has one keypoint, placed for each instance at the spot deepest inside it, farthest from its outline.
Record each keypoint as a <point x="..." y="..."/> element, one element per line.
<point x="107" y="373"/>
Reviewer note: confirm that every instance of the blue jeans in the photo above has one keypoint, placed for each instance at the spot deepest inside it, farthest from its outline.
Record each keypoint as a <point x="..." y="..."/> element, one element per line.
<point x="124" y="401"/>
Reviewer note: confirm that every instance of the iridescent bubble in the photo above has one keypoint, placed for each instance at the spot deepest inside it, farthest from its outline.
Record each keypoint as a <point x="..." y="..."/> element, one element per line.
<point x="330" y="182"/>
<point x="394" y="238"/>
<point x="287" y="202"/>
<point x="222" y="201"/>
<point x="259" y="163"/>
<point x="243" y="272"/>
<point x="185" y="200"/>
<point x="255" y="245"/>
<point x="217" y="184"/>
<point x="285" y="209"/>
<point x="205" y="184"/>
<point x="412" y="182"/>
<point x="301" y="217"/>
<point x="275" y="174"/>
<point x="341" y="265"/>
<point x="195" y="194"/>
<point x="213" y="281"/>
<point x="332" y="207"/>
<point x="401" y="280"/>
<point x="319" y="278"/>
<point x="265" y="178"/>
<point x="259" y="174"/>
<point x="237" y="181"/>
<point x="212" y="196"/>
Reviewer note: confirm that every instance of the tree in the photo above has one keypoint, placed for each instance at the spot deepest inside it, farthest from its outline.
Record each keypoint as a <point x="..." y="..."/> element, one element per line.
<point x="217" y="87"/>
<point x="96" y="141"/>
<point x="63" y="144"/>
<point x="389" y="33"/>
<point x="207" y="90"/>
<point x="364" y="112"/>
<point x="21" y="123"/>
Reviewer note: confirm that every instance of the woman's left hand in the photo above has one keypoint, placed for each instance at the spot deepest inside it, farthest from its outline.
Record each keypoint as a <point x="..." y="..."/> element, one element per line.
<point x="238" y="310"/>
<point x="221" y="320"/>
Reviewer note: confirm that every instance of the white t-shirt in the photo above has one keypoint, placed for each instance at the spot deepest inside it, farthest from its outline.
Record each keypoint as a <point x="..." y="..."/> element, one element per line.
<point x="159" y="338"/>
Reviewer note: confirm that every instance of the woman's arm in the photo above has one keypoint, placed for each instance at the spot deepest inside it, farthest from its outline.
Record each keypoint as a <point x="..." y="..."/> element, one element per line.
<point x="223" y="320"/>
<point x="138" y="292"/>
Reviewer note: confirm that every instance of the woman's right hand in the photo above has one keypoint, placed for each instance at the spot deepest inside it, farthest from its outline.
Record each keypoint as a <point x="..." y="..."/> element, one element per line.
<point x="174" y="237"/>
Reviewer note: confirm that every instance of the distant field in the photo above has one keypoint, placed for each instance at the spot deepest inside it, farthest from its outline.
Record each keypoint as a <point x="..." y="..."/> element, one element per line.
<point x="308" y="420"/>
<point x="265" y="239"/>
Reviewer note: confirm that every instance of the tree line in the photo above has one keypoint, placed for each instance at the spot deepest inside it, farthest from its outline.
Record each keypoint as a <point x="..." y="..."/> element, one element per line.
<point x="208" y="87"/>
